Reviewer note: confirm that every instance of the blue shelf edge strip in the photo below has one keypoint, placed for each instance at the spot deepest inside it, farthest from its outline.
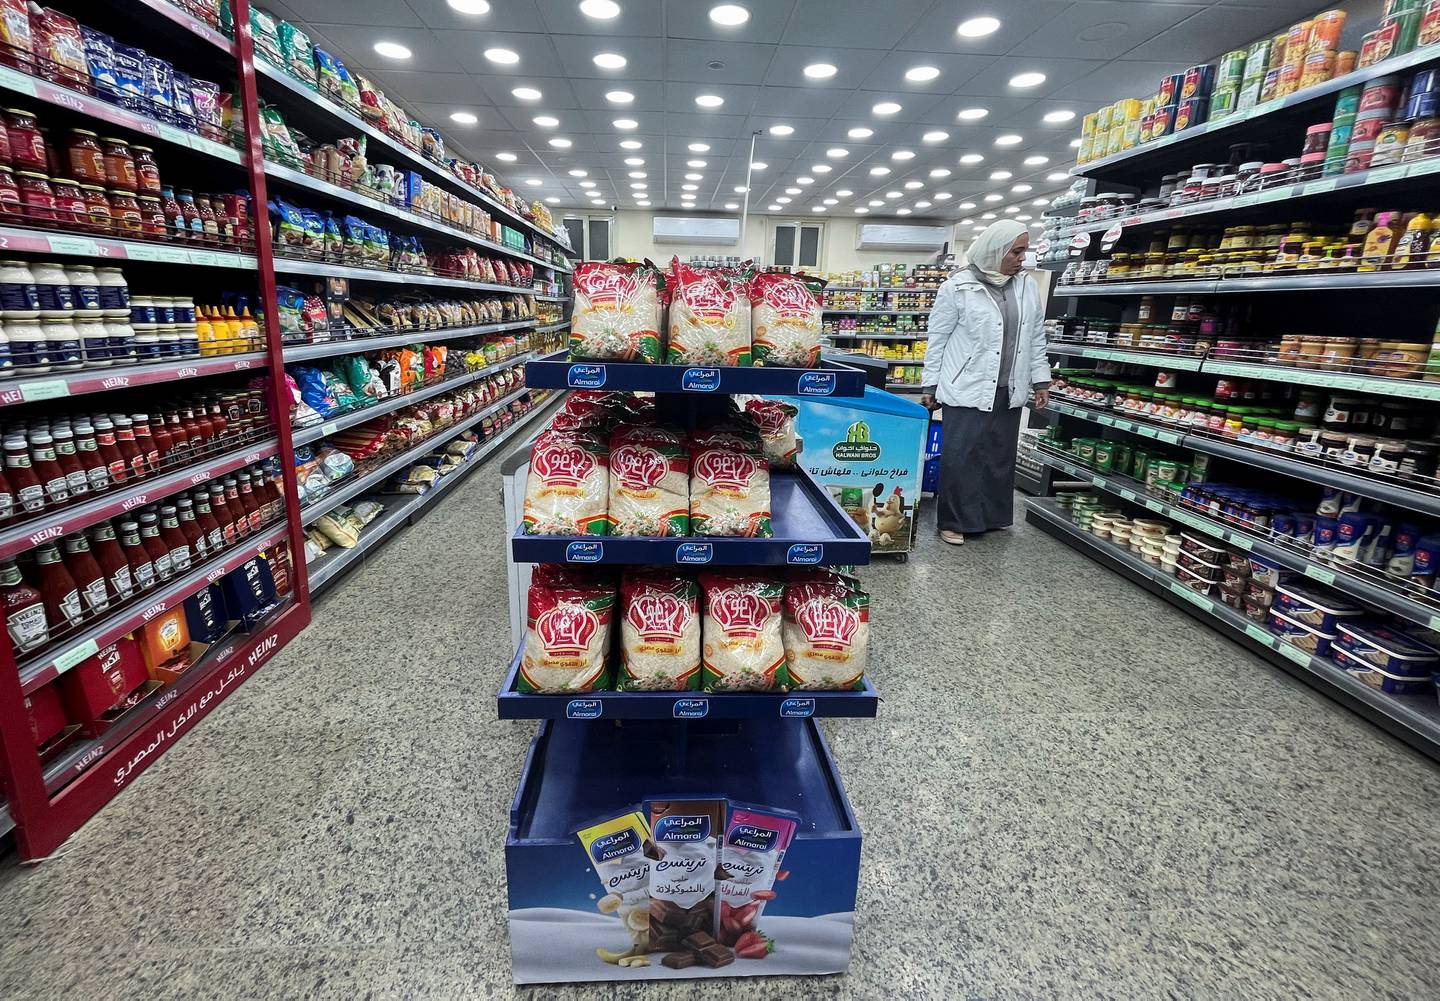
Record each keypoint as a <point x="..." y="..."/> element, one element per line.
<point x="831" y="379"/>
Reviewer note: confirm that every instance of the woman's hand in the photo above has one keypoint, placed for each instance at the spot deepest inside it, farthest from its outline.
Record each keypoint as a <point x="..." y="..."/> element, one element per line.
<point x="1042" y="399"/>
<point x="928" y="402"/>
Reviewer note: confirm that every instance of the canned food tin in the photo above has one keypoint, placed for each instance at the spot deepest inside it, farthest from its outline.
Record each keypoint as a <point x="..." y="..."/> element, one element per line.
<point x="1319" y="67"/>
<point x="1231" y="67"/>
<point x="1383" y="92"/>
<point x="1168" y="94"/>
<point x="1398" y="34"/>
<point x="1270" y="87"/>
<point x="1325" y="31"/>
<point x="1390" y="144"/>
<point x="1191" y="112"/>
<point x="1345" y="62"/>
<point x="1369" y="45"/>
<point x="1224" y="101"/>
<point x="1347" y="103"/>
<point x="1424" y="139"/>
<point x="1198" y="81"/>
<point x="1164" y="122"/>
<point x="1423" y="105"/>
<point x="1429" y="24"/>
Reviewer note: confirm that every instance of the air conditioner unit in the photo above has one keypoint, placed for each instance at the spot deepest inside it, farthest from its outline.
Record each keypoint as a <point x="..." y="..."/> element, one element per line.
<point x="893" y="236"/>
<point x="720" y="231"/>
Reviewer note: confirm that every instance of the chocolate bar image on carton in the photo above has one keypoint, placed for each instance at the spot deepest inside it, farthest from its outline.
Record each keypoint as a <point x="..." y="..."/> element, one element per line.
<point x="683" y="901"/>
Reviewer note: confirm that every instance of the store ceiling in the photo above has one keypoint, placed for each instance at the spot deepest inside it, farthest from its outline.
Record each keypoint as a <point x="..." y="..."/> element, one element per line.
<point x="1091" y="52"/>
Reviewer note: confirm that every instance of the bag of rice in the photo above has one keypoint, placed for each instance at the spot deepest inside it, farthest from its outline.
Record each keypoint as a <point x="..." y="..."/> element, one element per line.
<point x="729" y="486"/>
<point x="827" y="631"/>
<point x="649" y="482"/>
<point x="617" y="312"/>
<point x="659" y="631"/>
<point x="709" y="317"/>
<point x="568" y="485"/>
<point x="567" y="640"/>
<point x="743" y="649"/>
<point x="776" y="423"/>
<point x="786" y="319"/>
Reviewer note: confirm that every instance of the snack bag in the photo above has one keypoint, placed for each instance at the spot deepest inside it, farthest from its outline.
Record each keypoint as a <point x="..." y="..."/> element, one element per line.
<point x="786" y="319"/>
<point x="743" y="649"/>
<point x="568" y="485"/>
<point x="683" y="903"/>
<point x="649" y="483"/>
<point x="709" y="317"/>
<point x="617" y="312"/>
<point x="567" y="642"/>
<point x="620" y="851"/>
<point x="659" y="631"/>
<point x="297" y="54"/>
<point x="750" y="857"/>
<point x="826" y="632"/>
<point x="729" y="487"/>
<point x="776" y="423"/>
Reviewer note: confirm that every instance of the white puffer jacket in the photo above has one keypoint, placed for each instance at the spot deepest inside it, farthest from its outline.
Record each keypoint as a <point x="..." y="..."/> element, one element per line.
<point x="962" y="357"/>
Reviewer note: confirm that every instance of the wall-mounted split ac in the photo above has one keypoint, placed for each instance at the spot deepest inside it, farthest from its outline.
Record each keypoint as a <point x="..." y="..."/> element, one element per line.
<point x="720" y="231"/>
<point x="895" y="236"/>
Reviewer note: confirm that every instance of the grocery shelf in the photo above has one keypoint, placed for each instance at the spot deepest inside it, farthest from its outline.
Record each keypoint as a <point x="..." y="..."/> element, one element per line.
<point x="879" y="288"/>
<point x="810" y="530"/>
<point x="1308" y="282"/>
<point x="53" y="386"/>
<point x="107" y="250"/>
<point x="52" y="524"/>
<point x="398" y="401"/>
<point x="1158" y="359"/>
<point x="15" y="82"/>
<point x="1061" y="405"/>
<point x="357" y="485"/>
<point x="361" y="342"/>
<point x="168" y="10"/>
<point x="877" y="312"/>
<point x="403" y="509"/>
<point x="552" y="326"/>
<point x="924" y="336"/>
<point x="541" y="297"/>
<point x="557" y="371"/>
<point x="511" y="703"/>
<point x="1370" y="586"/>
<point x="902" y="387"/>
<point x="328" y="269"/>
<point x="1413" y="718"/>
<point x="49" y="665"/>
<point x="1260" y="121"/>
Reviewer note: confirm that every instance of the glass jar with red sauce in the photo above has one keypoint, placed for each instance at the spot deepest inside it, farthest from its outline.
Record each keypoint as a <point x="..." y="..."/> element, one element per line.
<point x="120" y="166"/>
<point x="27" y="146"/>
<point x="125" y="213"/>
<point x="9" y="193"/>
<point x="147" y="171"/>
<point x="37" y="198"/>
<point x="4" y="141"/>
<point x="209" y="222"/>
<point x="97" y="204"/>
<point x="152" y="217"/>
<point x="85" y="156"/>
<point x="70" y="210"/>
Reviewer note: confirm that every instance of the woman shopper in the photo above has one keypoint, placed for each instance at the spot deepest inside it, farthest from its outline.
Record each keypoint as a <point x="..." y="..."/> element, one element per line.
<point x="985" y="356"/>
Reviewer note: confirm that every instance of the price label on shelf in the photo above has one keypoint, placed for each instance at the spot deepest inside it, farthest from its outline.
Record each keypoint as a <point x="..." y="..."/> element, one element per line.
<point x="1244" y="201"/>
<point x="1185" y="518"/>
<point x="1293" y="652"/>
<point x="1241" y="541"/>
<point x="1273" y="195"/>
<point x="50" y="389"/>
<point x="1260" y="635"/>
<point x="1382" y="174"/>
<point x="327" y="429"/>
<point x="1105" y="419"/>
<point x="75" y="655"/>
<point x="1169" y="437"/>
<point x="1320" y="573"/>
<point x="1129" y="495"/>
<point x="1099" y="482"/>
<point x="1320" y="187"/>
<point x="204" y="257"/>
<point x="18" y="82"/>
<point x="162" y="255"/>
<point x="1155" y="506"/>
<point x="1194" y="597"/>
<point x="1435" y="622"/>
<point x="79" y="245"/>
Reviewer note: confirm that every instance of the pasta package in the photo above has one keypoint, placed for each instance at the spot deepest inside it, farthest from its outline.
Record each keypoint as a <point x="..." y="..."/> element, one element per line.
<point x="743" y="648"/>
<point x="568" y="485"/>
<point x="827" y="632"/>
<point x="567" y="639"/>
<point x="786" y="319"/>
<point x="709" y="317"/>
<point x="649" y="483"/>
<point x="729" y="488"/>
<point x="617" y="312"/>
<point x="659" y="632"/>
<point x="776" y="423"/>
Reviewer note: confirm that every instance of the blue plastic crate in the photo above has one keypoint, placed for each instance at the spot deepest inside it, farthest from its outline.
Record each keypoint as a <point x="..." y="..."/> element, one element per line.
<point x="933" y="440"/>
<point x="930" y="480"/>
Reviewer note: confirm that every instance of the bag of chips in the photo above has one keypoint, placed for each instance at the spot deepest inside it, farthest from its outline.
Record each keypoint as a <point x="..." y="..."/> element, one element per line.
<point x="827" y="631"/>
<point x="709" y="317"/>
<point x="617" y="312"/>
<point x="786" y="319"/>
<point x="659" y="631"/>
<point x="729" y="486"/>
<point x="567" y="639"/>
<point x="743" y="649"/>
<point x="568" y="485"/>
<point x="649" y="482"/>
<point x="776" y="423"/>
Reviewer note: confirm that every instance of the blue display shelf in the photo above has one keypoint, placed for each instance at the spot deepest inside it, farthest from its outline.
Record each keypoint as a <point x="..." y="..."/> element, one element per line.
<point x="557" y="371"/>
<point x="810" y="530"/>
<point x="515" y="704"/>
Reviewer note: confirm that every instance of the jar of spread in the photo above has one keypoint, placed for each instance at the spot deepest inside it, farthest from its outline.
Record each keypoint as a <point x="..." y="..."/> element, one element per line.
<point x="70" y="210"/>
<point x="119" y="166"/>
<point x="10" y="204"/>
<point x="97" y="207"/>
<point x="27" y="146"/>
<point x="62" y="340"/>
<point x="125" y="213"/>
<point x="37" y="198"/>
<point x="152" y="217"/>
<point x="1424" y="136"/>
<point x="85" y="156"/>
<point x="147" y="172"/>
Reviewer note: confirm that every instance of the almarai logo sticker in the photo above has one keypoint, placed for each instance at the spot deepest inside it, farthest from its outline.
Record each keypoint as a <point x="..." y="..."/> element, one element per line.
<point x="682" y="828"/>
<point x="756" y="839"/>
<point x="857" y="446"/>
<point x="613" y="846"/>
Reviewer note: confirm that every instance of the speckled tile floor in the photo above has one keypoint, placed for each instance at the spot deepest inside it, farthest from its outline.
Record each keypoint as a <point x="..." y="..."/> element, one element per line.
<point x="1073" y="791"/>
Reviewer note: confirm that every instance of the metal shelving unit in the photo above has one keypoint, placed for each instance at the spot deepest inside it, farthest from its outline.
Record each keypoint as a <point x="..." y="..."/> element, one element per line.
<point x="362" y="342"/>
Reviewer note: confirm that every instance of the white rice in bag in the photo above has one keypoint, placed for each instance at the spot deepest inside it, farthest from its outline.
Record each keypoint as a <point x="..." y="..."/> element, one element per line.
<point x="786" y="319"/>
<point x="709" y="317"/>
<point x="617" y="312"/>
<point x="659" y="631"/>
<point x="827" y="632"/>
<point x="649" y="483"/>
<point x="729" y="488"/>
<point x="568" y="485"/>
<point x="743" y="649"/>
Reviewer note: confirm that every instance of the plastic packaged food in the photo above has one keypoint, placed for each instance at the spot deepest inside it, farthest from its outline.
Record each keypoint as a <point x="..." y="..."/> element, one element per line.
<point x="616" y="312"/>
<point x="786" y="319"/>
<point x="567" y="640"/>
<point x="709" y="316"/>
<point x="826" y="632"/>
<point x="743" y="646"/>
<point x="568" y="485"/>
<point x="659" y="631"/>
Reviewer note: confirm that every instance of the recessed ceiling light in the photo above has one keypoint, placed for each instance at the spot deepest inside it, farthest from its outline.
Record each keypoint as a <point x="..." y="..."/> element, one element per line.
<point x="534" y="181"/>
<point x="886" y="108"/>
<point x="1024" y="218"/>
<point x="1058" y="117"/>
<point x="1027" y="79"/>
<point x="972" y="114"/>
<point x="774" y="208"/>
<point x="1041" y="201"/>
<point x="940" y="172"/>
<point x="820" y="71"/>
<point x="694" y="177"/>
<point x="758" y="165"/>
<point x="922" y="205"/>
<point x="978" y="27"/>
<point x="792" y="191"/>
<point x="860" y="133"/>
<point x="921" y="74"/>
<point x="783" y="200"/>
<point x="805" y="180"/>
<point x="1022" y="189"/>
<point x="689" y="187"/>
<point x="698" y="148"/>
<point x="643" y="203"/>
<point x="546" y="121"/>
<point x="507" y="157"/>
<point x="463" y="118"/>
<point x="966" y="222"/>
<point x="988" y="215"/>
<point x="1036" y="161"/>
<point x="619" y="97"/>
<point x="505" y="57"/>
<point x="553" y="200"/>
<point x="943" y="196"/>
<point x="1011" y="209"/>
<point x="587" y="184"/>
<point x="638" y="185"/>
<point x="817" y="208"/>
<point x="634" y="161"/>
<point x="832" y="201"/>
<point x="912" y="185"/>
<point x="732" y="206"/>
<point x="527" y="93"/>
<point x="559" y="143"/>
<point x="697" y="164"/>
<point x="601" y="10"/>
<point x="1057" y="176"/>
<point x="821" y="168"/>
<point x="994" y="197"/>
<point x="638" y="175"/>
<point x="862" y="211"/>
<point x="837" y="153"/>
<point x="875" y="203"/>
<point x="610" y="61"/>
<point x="631" y="144"/>
<point x="729" y="14"/>
<point x="966" y="206"/>
<point x="625" y="123"/>
<point x="393" y="50"/>
<point x="1009" y="139"/>
<point x="902" y="154"/>
<point x="892" y="195"/>
<point x="844" y="192"/>
<point x="1000" y="175"/>
<point x="740" y="189"/>
<point x="578" y="173"/>
<point x="935" y="136"/>
<point x="782" y="130"/>
<point x="879" y="171"/>
<point x="470" y="6"/>
<point x="709" y="100"/>
<point x="1075" y="143"/>
<point x="902" y="211"/>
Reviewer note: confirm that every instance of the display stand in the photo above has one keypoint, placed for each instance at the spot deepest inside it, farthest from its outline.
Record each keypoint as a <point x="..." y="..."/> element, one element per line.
<point x="601" y="753"/>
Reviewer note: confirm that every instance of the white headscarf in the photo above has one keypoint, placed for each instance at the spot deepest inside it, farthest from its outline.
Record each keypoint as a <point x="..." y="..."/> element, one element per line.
<point x="990" y="248"/>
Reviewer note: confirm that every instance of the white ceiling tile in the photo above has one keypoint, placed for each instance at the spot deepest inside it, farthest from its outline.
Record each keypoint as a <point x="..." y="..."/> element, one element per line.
<point x="955" y="69"/>
<point x="852" y="66"/>
<point x="537" y="54"/>
<point x="1059" y="73"/>
<point x="504" y="15"/>
<point x="406" y="87"/>
<point x="935" y="30"/>
<point x="644" y="59"/>
<point x="1105" y="30"/>
<point x="691" y="19"/>
<point x="352" y="12"/>
<point x="638" y="18"/>
<point x="1112" y="81"/>
<point x="357" y="42"/>
<point x="716" y="62"/>
<point x="680" y="97"/>
<point x="1210" y="33"/>
<point x="858" y="24"/>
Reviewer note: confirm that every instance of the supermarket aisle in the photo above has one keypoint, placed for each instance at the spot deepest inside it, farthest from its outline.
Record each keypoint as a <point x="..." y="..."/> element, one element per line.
<point x="1085" y="795"/>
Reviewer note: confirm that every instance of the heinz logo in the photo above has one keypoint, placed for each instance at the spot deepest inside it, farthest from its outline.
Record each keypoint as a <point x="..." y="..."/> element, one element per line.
<point x="695" y="552"/>
<point x="700" y="380"/>
<point x="691" y="708"/>
<point x="613" y="846"/>
<point x="53" y="532"/>
<point x="201" y="477"/>
<point x="266" y="645"/>
<point x="797" y="708"/>
<point x="115" y="382"/>
<point x="154" y="610"/>
<point x="584" y="552"/>
<point x="682" y="828"/>
<point x="805" y="553"/>
<point x="131" y="503"/>
<point x="186" y="373"/>
<point x="584" y="709"/>
<point x="816" y="384"/>
<point x="585" y="376"/>
<point x="756" y="839"/>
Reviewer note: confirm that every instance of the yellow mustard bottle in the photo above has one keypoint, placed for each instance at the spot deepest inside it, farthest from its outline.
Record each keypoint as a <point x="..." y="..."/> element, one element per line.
<point x="252" y="331"/>
<point x="235" y="331"/>
<point x="1380" y="242"/>
<point x="205" y="334"/>
<point x="1413" y="248"/>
